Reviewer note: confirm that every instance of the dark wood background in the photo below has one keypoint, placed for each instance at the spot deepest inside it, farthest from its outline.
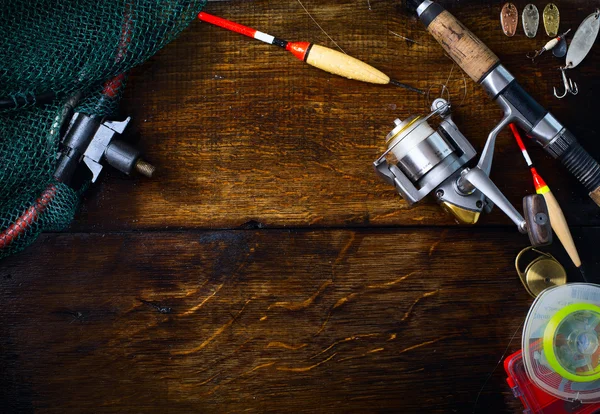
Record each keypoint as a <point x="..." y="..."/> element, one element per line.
<point x="266" y="268"/>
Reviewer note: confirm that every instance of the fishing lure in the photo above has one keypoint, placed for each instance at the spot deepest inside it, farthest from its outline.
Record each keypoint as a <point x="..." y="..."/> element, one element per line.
<point x="531" y="20"/>
<point x="552" y="45"/>
<point x="582" y="43"/>
<point x="583" y="40"/>
<point x="560" y="50"/>
<point x="551" y="19"/>
<point x="509" y="18"/>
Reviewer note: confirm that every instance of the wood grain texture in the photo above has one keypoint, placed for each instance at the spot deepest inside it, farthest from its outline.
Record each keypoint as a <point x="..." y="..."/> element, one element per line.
<point x="272" y="321"/>
<point x="328" y="294"/>
<point x="264" y="321"/>
<point x="467" y="50"/>
<point x="242" y="132"/>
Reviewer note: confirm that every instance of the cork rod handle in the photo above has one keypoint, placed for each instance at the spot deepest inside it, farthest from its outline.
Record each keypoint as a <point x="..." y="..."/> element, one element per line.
<point x="474" y="57"/>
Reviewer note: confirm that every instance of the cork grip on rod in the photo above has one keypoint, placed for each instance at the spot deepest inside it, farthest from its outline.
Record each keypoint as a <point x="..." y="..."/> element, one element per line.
<point x="595" y="195"/>
<point x="464" y="47"/>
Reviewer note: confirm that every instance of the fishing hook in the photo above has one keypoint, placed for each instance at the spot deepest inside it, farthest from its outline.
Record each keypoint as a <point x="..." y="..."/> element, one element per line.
<point x="535" y="54"/>
<point x="570" y="86"/>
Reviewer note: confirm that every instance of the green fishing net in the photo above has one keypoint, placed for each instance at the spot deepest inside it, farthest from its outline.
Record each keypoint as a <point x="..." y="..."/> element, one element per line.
<point x="65" y="49"/>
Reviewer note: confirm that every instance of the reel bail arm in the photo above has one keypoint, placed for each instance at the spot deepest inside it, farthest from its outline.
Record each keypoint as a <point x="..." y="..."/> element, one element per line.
<point x="537" y="223"/>
<point x="420" y="160"/>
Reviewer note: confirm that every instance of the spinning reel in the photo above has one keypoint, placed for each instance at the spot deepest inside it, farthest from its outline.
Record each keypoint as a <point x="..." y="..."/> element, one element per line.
<point x="420" y="160"/>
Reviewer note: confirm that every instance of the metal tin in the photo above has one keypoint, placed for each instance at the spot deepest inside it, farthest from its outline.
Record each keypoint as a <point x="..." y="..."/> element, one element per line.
<point x="551" y="19"/>
<point x="531" y="20"/>
<point x="583" y="40"/>
<point x="509" y="18"/>
<point x="542" y="272"/>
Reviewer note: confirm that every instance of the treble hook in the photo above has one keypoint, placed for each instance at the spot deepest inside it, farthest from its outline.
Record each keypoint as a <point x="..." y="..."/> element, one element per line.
<point x="570" y="86"/>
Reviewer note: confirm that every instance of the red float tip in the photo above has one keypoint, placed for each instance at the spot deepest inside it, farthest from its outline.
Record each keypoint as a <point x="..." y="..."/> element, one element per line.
<point x="538" y="181"/>
<point x="299" y="49"/>
<point x="227" y="24"/>
<point x="517" y="135"/>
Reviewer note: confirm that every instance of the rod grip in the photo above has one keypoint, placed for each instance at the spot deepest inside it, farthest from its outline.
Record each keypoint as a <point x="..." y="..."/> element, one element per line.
<point x="470" y="53"/>
<point x="585" y="168"/>
<point x="576" y="159"/>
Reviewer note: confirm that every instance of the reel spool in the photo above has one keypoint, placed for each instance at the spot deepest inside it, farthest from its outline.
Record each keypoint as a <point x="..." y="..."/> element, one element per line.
<point x="561" y="342"/>
<point x="420" y="160"/>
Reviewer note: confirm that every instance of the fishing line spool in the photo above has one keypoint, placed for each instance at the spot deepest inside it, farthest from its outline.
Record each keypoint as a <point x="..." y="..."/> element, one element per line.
<point x="420" y="160"/>
<point x="561" y="342"/>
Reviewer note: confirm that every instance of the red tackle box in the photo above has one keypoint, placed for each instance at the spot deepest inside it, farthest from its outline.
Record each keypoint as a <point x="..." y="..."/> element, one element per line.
<point x="533" y="398"/>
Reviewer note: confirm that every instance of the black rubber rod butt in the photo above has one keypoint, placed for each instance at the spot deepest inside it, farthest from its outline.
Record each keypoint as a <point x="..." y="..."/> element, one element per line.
<point x="584" y="168"/>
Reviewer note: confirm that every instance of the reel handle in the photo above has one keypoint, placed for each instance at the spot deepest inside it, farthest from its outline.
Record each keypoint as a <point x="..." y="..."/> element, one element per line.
<point x="536" y="222"/>
<point x="537" y="218"/>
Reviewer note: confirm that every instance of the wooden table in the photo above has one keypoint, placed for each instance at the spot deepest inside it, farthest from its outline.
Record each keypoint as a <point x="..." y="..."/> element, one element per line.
<point x="266" y="267"/>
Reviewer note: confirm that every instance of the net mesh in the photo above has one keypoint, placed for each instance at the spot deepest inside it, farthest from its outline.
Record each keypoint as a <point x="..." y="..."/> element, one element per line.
<point x="67" y="48"/>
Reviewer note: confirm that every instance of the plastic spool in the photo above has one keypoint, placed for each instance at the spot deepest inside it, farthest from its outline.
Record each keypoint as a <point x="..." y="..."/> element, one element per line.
<point x="561" y="342"/>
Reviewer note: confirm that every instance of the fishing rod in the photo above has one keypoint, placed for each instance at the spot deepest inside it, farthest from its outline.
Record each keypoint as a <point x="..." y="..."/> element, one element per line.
<point x="318" y="56"/>
<point x="484" y="67"/>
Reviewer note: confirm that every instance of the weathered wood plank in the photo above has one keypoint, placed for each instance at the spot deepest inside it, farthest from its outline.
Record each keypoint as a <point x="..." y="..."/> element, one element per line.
<point x="306" y="320"/>
<point x="241" y="131"/>
<point x="274" y="321"/>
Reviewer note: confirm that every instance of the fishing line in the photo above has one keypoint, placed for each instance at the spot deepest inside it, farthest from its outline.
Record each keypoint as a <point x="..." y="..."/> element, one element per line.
<point x="428" y="94"/>
<point x="392" y="81"/>
<point x="464" y="89"/>
<point x="445" y="90"/>
<point x="449" y="75"/>
<point x="497" y="365"/>
<point x="402" y="37"/>
<point x="319" y="26"/>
